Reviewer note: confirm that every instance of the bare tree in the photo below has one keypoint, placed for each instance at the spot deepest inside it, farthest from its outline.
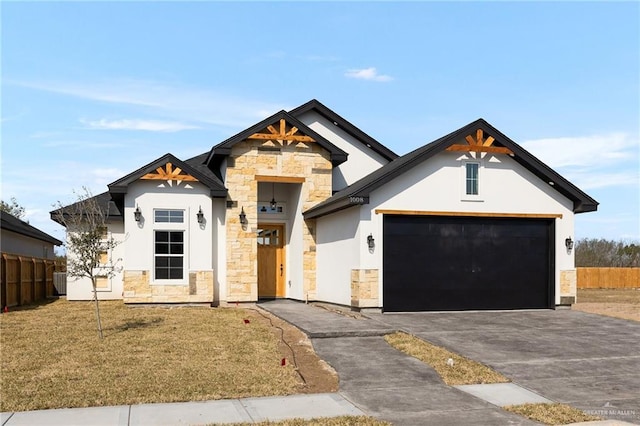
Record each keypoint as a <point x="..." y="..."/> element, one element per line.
<point x="13" y="208"/>
<point x="593" y="252"/>
<point x="87" y="240"/>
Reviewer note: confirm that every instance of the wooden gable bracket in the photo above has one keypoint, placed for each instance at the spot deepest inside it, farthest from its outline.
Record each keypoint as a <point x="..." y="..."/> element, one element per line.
<point x="169" y="174"/>
<point x="479" y="144"/>
<point x="282" y="134"/>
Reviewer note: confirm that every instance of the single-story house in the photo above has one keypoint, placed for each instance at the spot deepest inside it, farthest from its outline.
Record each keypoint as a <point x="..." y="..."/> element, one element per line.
<point x="19" y="238"/>
<point x="306" y="206"/>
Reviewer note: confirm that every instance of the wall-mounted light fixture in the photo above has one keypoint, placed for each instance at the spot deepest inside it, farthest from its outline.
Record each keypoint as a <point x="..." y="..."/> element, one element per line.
<point x="137" y="214"/>
<point x="200" y="215"/>
<point x="243" y="217"/>
<point x="568" y="243"/>
<point x="371" y="242"/>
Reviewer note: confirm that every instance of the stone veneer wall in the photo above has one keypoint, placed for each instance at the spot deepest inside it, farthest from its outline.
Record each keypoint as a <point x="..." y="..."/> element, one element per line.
<point x="568" y="287"/>
<point x="137" y="289"/>
<point x="300" y="160"/>
<point x="364" y="288"/>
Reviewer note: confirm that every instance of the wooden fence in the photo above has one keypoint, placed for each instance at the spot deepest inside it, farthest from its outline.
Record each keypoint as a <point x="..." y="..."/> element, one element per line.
<point x="25" y="280"/>
<point x="608" y="277"/>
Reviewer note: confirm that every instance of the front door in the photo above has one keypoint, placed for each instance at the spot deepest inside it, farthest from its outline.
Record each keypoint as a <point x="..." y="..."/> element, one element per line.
<point x="270" y="261"/>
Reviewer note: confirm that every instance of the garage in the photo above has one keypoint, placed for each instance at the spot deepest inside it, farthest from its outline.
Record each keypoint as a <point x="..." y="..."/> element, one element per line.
<point x="441" y="263"/>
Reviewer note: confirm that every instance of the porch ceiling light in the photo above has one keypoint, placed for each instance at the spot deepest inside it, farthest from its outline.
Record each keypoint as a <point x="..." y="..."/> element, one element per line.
<point x="273" y="202"/>
<point x="200" y="215"/>
<point x="243" y="217"/>
<point x="568" y="243"/>
<point x="137" y="214"/>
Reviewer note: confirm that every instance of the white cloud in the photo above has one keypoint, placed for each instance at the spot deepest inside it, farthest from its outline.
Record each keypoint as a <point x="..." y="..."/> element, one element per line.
<point x="585" y="151"/>
<point x="602" y="179"/>
<point x="147" y="125"/>
<point x="174" y="101"/>
<point x="370" y="74"/>
<point x="591" y="162"/>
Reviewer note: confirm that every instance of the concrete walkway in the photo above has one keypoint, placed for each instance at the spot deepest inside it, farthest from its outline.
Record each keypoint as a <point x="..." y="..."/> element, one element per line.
<point x="539" y="350"/>
<point x="191" y="413"/>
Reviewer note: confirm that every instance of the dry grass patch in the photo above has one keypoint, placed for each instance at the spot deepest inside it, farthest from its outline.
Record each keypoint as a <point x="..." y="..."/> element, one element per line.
<point x="324" y="421"/>
<point x="463" y="371"/>
<point x="551" y="414"/>
<point x="619" y="303"/>
<point x="52" y="357"/>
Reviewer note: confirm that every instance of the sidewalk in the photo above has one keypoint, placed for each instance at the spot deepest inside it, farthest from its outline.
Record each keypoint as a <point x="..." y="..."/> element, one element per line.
<point x="248" y="410"/>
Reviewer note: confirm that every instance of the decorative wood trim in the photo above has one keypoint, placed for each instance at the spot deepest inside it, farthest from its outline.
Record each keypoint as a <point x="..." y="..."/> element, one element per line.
<point x="169" y="173"/>
<point x="280" y="179"/>
<point x="282" y="134"/>
<point x="470" y="214"/>
<point x="479" y="144"/>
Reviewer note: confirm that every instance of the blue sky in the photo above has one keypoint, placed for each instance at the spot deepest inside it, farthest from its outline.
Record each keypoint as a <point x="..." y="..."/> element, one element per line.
<point x="93" y="91"/>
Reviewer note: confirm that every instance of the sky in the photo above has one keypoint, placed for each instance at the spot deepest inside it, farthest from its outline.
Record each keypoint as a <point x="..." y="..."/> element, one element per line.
<point x="91" y="91"/>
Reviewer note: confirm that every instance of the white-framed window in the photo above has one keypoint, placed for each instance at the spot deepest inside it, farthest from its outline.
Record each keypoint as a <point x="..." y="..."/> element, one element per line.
<point x="168" y="255"/>
<point x="168" y="216"/>
<point x="471" y="180"/>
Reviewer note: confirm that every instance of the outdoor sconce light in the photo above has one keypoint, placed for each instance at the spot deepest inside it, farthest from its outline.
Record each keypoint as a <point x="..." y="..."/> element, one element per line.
<point x="200" y="215"/>
<point x="137" y="214"/>
<point x="568" y="243"/>
<point x="243" y="217"/>
<point x="371" y="242"/>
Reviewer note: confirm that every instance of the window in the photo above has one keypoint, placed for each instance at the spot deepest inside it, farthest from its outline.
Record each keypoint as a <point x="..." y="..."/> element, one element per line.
<point x="103" y="258"/>
<point x="169" y="216"/>
<point x="169" y="255"/>
<point x="472" y="178"/>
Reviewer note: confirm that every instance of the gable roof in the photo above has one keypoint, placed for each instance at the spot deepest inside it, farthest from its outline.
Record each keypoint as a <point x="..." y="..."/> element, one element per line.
<point x="337" y="120"/>
<point x="104" y="201"/>
<point x="190" y="167"/>
<point x="223" y="149"/>
<point x="362" y="188"/>
<point x="11" y="223"/>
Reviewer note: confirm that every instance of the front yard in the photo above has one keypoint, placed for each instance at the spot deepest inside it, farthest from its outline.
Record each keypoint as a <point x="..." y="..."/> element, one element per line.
<point x="619" y="302"/>
<point x="51" y="356"/>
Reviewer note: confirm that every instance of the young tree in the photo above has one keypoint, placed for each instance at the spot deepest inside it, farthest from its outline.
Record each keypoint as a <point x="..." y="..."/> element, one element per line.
<point x="13" y="208"/>
<point x="87" y="240"/>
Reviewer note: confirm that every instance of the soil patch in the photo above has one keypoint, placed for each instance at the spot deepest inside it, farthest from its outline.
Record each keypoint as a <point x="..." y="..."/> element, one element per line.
<point x="619" y="303"/>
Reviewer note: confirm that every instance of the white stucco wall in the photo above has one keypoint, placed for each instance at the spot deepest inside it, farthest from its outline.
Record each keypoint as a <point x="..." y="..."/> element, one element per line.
<point x="22" y="245"/>
<point x="81" y="288"/>
<point x="339" y="246"/>
<point x="438" y="185"/>
<point x="361" y="160"/>
<point x="198" y="238"/>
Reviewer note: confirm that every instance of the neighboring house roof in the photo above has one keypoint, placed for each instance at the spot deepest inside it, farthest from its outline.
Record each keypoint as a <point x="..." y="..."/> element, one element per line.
<point x="11" y="223"/>
<point x="368" y="141"/>
<point x="362" y="188"/>
<point x="105" y="202"/>
<point x="223" y="149"/>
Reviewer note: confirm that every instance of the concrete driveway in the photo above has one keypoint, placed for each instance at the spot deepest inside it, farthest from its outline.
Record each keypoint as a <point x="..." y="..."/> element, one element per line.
<point x="588" y="361"/>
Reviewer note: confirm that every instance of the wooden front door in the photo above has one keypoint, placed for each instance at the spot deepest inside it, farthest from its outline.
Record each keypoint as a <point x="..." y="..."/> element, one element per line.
<point x="271" y="265"/>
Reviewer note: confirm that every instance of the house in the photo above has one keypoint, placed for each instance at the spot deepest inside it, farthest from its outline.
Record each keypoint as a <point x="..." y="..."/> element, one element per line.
<point x="306" y="206"/>
<point x="19" y="238"/>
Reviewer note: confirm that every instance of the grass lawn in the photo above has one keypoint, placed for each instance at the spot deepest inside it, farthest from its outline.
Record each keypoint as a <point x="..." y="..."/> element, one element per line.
<point x="463" y="371"/>
<point x="551" y="414"/>
<point x="52" y="358"/>
<point x="620" y="303"/>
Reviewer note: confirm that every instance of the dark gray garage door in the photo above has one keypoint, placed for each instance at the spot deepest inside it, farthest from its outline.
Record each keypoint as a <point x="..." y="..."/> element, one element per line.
<point x="434" y="263"/>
